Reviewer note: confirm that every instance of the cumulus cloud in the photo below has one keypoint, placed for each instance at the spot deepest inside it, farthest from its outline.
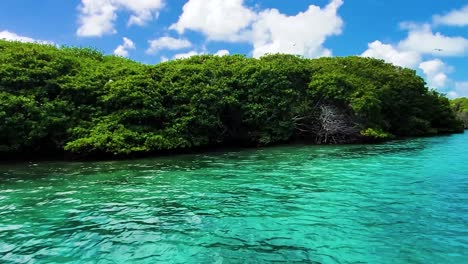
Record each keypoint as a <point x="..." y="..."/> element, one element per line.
<point x="216" y="19"/>
<point x="436" y="72"/>
<point x="97" y="17"/>
<point x="424" y="41"/>
<point x="143" y="11"/>
<point x="302" y="34"/>
<point x="186" y="55"/>
<point x="122" y="50"/>
<point x="222" y="53"/>
<point x="419" y="50"/>
<point x="461" y="90"/>
<point x="454" y="18"/>
<point x="392" y="54"/>
<point x="169" y="43"/>
<point x="269" y="31"/>
<point x="191" y="53"/>
<point x="11" y="36"/>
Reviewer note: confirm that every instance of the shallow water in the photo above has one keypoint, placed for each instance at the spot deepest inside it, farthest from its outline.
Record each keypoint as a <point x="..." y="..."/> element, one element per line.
<point x="399" y="202"/>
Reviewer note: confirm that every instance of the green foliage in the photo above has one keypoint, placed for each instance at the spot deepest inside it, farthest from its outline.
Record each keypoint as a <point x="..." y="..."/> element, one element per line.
<point x="79" y="101"/>
<point x="460" y="106"/>
<point x="377" y="134"/>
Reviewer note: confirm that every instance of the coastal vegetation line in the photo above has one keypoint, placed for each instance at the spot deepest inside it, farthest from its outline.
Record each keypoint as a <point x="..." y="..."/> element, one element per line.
<point x="80" y="103"/>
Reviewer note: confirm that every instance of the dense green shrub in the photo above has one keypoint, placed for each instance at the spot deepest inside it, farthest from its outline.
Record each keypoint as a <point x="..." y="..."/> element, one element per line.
<point x="460" y="106"/>
<point x="78" y="101"/>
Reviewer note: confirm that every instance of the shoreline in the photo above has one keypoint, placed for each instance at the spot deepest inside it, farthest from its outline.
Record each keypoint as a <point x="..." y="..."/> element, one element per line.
<point x="67" y="157"/>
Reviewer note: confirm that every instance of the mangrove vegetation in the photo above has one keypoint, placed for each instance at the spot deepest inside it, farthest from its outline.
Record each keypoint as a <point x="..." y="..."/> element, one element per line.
<point x="81" y="103"/>
<point x="460" y="106"/>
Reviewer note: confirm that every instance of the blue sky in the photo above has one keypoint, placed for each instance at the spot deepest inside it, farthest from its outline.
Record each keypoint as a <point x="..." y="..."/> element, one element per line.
<point x="429" y="36"/>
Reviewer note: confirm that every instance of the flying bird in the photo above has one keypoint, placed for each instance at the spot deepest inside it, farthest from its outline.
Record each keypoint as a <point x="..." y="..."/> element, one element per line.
<point x="438" y="49"/>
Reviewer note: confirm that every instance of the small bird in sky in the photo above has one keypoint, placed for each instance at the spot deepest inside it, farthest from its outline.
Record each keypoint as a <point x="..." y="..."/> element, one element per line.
<point x="438" y="49"/>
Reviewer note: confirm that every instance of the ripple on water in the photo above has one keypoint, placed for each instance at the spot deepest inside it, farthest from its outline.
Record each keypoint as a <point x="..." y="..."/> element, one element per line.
<point x="399" y="202"/>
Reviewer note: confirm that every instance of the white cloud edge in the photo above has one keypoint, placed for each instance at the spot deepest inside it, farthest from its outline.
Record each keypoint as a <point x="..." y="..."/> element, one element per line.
<point x="167" y="43"/>
<point x="457" y="17"/>
<point x="460" y="90"/>
<point x="123" y="49"/>
<point x="268" y="30"/>
<point x="97" y="17"/>
<point x="185" y="55"/>
<point x="11" y="36"/>
<point x="421" y="50"/>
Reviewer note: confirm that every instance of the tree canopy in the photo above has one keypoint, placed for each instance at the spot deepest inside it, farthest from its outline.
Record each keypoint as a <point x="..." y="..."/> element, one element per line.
<point x="460" y="106"/>
<point x="78" y="101"/>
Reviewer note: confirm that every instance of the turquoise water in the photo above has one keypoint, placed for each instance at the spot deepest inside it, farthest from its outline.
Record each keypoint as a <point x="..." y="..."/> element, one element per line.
<point x="399" y="202"/>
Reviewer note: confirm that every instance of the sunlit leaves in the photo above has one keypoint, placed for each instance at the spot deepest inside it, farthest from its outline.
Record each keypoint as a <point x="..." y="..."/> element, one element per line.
<point x="82" y="102"/>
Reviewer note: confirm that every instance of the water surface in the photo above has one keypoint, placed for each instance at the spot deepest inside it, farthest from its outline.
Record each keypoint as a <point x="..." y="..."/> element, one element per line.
<point x="399" y="202"/>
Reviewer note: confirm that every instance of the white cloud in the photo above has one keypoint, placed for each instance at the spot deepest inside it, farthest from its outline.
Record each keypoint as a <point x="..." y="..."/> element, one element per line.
<point x="269" y="31"/>
<point x="186" y="55"/>
<point x="167" y="43"/>
<point x="97" y="17"/>
<point x="461" y="90"/>
<point x="424" y="41"/>
<point x="452" y="94"/>
<point x="453" y="18"/>
<point x="302" y="34"/>
<point x="436" y="73"/>
<point x="143" y="11"/>
<point x="222" y="53"/>
<point x="391" y="54"/>
<point x="418" y="50"/>
<point x="421" y="47"/>
<point x="189" y="54"/>
<point x="122" y="50"/>
<point x="216" y="19"/>
<point x="7" y="35"/>
<point x="435" y="70"/>
<point x="410" y="25"/>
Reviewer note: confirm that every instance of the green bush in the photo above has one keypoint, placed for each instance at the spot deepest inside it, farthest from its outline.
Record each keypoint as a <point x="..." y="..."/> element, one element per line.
<point x="78" y="101"/>
<point x="377" y="134"/>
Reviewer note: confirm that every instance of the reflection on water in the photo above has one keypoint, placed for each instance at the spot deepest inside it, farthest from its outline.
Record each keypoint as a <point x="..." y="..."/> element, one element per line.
<point x="399" y="202"/>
